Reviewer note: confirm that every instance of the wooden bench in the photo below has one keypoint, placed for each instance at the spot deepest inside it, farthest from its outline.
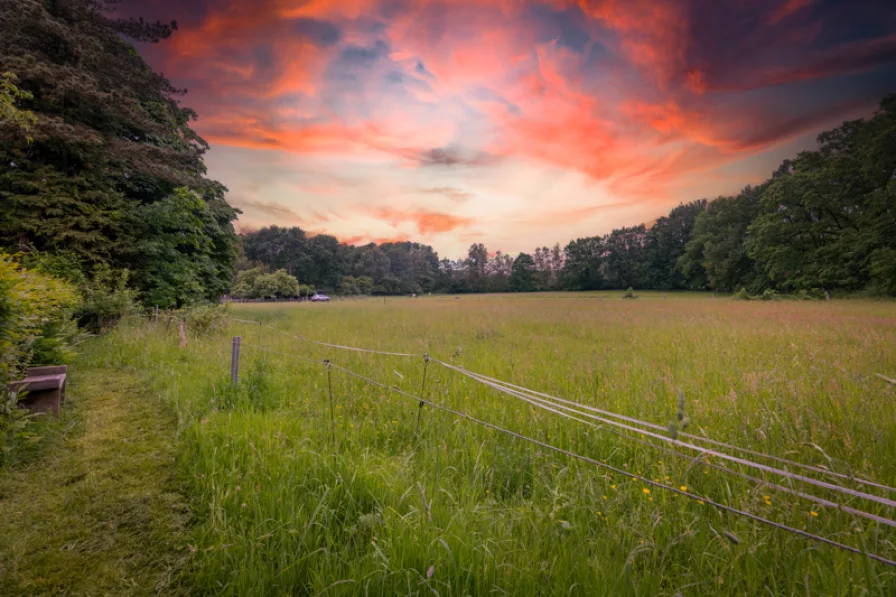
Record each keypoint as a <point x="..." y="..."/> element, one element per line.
<point x="44" y="387"/>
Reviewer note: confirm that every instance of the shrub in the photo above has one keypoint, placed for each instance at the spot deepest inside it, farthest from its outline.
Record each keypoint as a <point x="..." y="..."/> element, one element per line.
<point x="15" y="428"/>
<point x="813" y="294"/>
<point x="204" y="318"/>
<point x="106" y="298"/>
<point x="36" y="312"/>
<point x="742" y="295"/>
<point x="630" y="293"/>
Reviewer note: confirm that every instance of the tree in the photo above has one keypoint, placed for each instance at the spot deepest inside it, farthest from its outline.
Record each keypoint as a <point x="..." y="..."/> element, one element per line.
<point x="364" y="284"/>
<point x="716" y="255"/>
<point x="276" y="285"/>
<point x="665" y="244"/>
<point x="522" y="278"/>
<point x="108" y="138"/>
<point x="475" y="264"/>
<point x="828" y="218"/>
<point x="179" y="251"/>
<point x="349" y="286"/>
<point x="10" y="113"/>
<point x="622" y="262"/>
<point x="279" y="248"/>
<point x="582" y="267"/>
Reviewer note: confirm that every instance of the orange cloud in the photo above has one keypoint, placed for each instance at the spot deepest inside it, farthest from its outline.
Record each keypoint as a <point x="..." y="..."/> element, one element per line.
<point x="648" y="101"/>
<point x="427" y="222"/>
<point x="363" y="239"/>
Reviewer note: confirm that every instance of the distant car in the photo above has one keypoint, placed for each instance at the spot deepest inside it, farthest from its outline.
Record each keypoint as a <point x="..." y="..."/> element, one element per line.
<point x="320" y="298"/>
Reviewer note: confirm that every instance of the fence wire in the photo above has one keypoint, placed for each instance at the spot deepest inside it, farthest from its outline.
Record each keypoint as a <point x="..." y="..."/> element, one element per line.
<point x="564" y="407"/>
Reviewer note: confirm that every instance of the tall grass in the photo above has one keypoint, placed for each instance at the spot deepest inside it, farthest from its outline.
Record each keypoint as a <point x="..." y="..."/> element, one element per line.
<point x="290" y="501"/>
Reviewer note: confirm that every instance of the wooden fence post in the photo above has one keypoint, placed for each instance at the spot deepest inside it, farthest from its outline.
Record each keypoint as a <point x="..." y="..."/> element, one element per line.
<point x="155" y="317"/>
<point x="235" y="361"/>
<point x="183" y="334"/>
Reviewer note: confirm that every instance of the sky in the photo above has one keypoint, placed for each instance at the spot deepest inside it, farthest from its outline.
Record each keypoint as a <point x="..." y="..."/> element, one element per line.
<point x="513" y="123"/>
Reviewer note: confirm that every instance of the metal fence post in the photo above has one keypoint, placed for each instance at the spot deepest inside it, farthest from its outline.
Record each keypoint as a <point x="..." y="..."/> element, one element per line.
<point x="422" y="391"/>
<point x="332" y="408"/>
<point x="235" y="361"/>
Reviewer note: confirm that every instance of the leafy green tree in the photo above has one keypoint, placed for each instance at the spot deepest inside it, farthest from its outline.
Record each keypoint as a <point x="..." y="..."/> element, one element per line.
<point x="622" y="264"/>
<point x="371" y="261"/>
<point x="245" y="286"/>
<point x="389" y="285"/>
<point x="522" y="277"/>
<point x="108" y="138"/>
<point x="665" y="244"/>
<point x="10" y="113"/>
<point x="348" y="286"/>
<point x="475" y="267"/>
<point x="280" y="248"/>
<point x="181" y="243"/>
<point x="716" y="255"/>
<point x="364" y="284"/>
<point x="276" y="285"/>
<point x="582" y="267"/>
<point x="828" y="217"/>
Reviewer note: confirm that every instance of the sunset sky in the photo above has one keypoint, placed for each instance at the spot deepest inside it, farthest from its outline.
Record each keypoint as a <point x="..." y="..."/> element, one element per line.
<point x="513" y="123"/>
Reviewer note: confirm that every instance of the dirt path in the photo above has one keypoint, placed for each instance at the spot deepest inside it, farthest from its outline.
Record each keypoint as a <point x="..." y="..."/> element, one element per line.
<point x="98" y="514"/>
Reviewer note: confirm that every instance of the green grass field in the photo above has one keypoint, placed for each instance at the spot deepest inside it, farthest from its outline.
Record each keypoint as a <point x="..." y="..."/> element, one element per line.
<point x="291" y="500"/>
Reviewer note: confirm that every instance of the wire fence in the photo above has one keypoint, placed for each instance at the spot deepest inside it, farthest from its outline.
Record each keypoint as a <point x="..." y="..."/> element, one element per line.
<point x="631" y="429"/>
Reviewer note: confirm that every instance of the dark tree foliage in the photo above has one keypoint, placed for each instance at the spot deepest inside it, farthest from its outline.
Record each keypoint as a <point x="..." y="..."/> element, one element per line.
<point x="828" y="219"/>
<point x="109" y="142"/>
<point x="665" y="244"/>
<point x="325" y="263"/>
<point x="716" y="255"/>
<point x="522" y="276"/>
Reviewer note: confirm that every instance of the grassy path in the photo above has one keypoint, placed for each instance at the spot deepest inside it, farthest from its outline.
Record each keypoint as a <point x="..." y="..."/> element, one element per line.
<point x="99" y="512"/>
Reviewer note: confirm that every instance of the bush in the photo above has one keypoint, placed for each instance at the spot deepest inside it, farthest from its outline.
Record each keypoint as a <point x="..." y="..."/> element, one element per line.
<point x="36" y="318"/>
<point x="813" y="294"/>
<point x="106" y="298"/>
<point x="204" y="319"/>
<point x="742" y="295"/>
<point x="630" y="293"/>
<point x="15" y="428"/>
<point x="257" y="283"/>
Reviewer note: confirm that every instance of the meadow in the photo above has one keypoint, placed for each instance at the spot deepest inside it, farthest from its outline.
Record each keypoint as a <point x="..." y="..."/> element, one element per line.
<point x="309" y="481"/>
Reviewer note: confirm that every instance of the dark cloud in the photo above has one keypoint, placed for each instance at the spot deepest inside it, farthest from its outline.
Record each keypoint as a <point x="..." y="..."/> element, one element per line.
<point x="357" y="57"/>
<point x="564" y="26"/>
<point x="323" y="33"/>
<point x="455" y="194"/>
<point x="275" y="210"/>
<point x="453" y="156"/>
<point x="421" y="69"/>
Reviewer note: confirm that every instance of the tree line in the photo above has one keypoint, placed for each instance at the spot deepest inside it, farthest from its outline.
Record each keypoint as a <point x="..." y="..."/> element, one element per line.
<point x="824" y="221"/>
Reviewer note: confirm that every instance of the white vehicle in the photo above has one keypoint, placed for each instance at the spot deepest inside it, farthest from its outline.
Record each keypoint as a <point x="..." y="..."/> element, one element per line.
<point x="320" y="298"/>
